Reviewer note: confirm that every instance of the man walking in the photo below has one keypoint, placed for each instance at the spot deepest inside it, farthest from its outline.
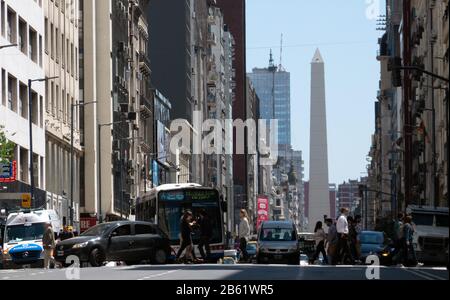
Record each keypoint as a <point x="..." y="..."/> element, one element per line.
<point x="332" y="241"/>
<point x="205" y="234"/>
<point x="343" y="252"/>
<point x="48" y="243"/>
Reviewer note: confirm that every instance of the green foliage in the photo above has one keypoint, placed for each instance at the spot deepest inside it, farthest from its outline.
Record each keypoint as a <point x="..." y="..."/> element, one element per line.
<point x="6" y="147"/>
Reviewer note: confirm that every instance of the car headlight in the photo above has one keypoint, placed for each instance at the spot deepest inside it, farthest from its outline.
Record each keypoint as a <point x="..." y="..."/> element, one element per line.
<point x="6" y="254"/>
<point x="80" y="245"/>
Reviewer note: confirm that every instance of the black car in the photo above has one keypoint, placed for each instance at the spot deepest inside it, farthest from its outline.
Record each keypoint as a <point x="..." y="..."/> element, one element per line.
<point x="131" y="242"/>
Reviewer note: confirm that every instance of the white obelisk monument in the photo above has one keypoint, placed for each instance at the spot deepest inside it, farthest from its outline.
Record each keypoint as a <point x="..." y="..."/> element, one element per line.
<point x="319" y="195"/>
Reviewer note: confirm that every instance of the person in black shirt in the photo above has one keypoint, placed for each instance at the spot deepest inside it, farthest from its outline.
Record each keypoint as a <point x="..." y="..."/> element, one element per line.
<point x="186" y="236"/>
<point x="205" y="234"/>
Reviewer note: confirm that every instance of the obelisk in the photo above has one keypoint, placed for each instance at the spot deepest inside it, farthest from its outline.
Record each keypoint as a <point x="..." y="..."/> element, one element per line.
<point x="319" y="196"/>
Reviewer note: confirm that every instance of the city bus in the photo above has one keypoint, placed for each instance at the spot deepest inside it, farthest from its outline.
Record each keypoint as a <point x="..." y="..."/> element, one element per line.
<point x="165" y="204"/>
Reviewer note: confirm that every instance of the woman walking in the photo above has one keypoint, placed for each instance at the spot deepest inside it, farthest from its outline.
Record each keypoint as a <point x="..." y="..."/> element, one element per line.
<point x="320" y="237"/>
<point x="244" y="233"/>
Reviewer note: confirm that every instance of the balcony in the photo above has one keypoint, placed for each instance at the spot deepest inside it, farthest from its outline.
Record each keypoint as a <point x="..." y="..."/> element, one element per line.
<point x="144" y="64"/>
<point x="146" y="107"/>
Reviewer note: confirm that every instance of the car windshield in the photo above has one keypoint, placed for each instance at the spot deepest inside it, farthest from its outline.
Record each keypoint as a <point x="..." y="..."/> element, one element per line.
<point x="24" y="232"/>
<point x="423" y="219"/>
<point x="97" y="230"/>
<point x="277" y="234"/>
<point x="371" y="238"/>
<point x="251" y="247"/>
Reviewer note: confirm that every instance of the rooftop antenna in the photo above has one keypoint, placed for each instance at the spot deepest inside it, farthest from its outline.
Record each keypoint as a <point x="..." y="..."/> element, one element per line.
<point x="280" y="67"/>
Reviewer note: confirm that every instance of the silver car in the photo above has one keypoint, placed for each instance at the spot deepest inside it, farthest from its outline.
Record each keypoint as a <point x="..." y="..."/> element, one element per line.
<point x="278" y="243"/>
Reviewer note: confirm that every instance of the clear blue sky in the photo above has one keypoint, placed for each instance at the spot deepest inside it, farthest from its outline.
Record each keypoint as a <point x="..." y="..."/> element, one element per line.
<point x="347" y="39"/>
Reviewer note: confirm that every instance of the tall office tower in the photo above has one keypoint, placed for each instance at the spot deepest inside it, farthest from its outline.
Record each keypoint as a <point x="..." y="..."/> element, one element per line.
<point x="319" y="202"/>
<point x="273" y="86"/>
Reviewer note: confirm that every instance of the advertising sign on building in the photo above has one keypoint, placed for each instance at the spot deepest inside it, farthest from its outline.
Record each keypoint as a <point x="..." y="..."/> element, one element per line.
<point x="86" y="223"/>
<point x="263" y="210"/>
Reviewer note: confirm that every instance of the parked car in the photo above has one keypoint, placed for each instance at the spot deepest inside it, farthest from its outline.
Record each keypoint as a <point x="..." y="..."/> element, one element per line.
<point x="131" y="242"/>
<point x="251" y="250"/>
<point x="375" y="243"/>
<point x="278" y="243"/>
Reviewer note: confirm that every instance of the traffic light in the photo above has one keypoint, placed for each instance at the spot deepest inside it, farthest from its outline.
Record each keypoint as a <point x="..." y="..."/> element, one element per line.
<point x="394" y="66"/>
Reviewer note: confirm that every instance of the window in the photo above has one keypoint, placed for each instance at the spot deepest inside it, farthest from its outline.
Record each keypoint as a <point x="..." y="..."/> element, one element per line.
<point x="12" y="93"/>
<point x="46" y="35"/>
<point x="144" y="229"/>
<point x="40" y="51"/>
<point x="63" y="51"/>
<point x="71" y="59"/>
<point x="52" y="40"/>
<point x="23" y="101"/>
<point x="57" y="45"/>
<point x="123" y="230"/>
<point x="64" y="105"/>
<point x="4" y="87"/>
<point x="33" y="45"/>
<point x="23" y="36"/>
<point x="41" y="113"/>
<point x="12" y="27"/>
<point x="3" y="13"/>
<point x="52" y="98"/>
<point x="57" y="104"/>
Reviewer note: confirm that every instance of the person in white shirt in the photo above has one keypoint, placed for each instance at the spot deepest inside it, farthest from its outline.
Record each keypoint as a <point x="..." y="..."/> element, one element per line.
<point x="342" y="230"/>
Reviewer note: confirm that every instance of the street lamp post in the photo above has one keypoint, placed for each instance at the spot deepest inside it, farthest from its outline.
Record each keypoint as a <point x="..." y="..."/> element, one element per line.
<point x="72" y="108"/>
<point x="131" y="117"/>
<point x="8" y="46"/>
<point x="30" y="124"/>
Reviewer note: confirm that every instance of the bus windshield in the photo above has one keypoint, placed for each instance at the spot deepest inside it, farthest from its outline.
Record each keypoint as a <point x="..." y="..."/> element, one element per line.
<point x="24" y="232"/>
<point x="173" y="203"/>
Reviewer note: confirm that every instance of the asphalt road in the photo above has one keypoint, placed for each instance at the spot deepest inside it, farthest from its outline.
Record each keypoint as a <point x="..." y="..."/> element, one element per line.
<point x="226" y="272"/>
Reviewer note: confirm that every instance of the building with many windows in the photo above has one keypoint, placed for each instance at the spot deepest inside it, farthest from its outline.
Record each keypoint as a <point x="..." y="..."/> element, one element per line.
<point x="61" y="62"/>
<point x="22" y="28"/>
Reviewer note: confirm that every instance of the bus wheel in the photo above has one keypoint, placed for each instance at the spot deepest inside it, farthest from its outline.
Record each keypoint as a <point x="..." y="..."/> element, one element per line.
<point x="159" y="257"/>
<point x="96" y="258"/>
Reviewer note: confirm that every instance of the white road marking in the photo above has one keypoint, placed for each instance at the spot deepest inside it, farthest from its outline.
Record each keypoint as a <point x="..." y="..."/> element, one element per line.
<point x="430" y="275"/>
<point x="6" y="278"/>
<point x="418" y="274"/>
<point x="159" y="275"/>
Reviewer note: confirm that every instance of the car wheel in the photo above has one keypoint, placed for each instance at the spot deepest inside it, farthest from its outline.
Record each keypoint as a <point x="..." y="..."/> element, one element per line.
<point x="96" y="258"/>
<point x="159" y="257"/>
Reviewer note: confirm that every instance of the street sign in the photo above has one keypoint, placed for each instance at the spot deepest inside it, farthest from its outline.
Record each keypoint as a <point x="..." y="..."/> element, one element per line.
<point x="26" y="200"/>
<point x="8" y="172"/>
<point x="262" y="210"/>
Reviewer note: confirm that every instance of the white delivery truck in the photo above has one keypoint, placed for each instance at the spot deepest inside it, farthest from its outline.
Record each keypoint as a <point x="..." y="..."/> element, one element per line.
<point x="22" y="239"/>
<point x="431" y="233"/>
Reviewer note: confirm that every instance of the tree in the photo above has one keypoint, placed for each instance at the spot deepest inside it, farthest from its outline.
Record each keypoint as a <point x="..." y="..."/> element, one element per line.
<point x="6" y="148"/>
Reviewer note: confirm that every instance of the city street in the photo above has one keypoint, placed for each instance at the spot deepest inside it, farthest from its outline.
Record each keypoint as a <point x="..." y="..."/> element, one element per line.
<point x="228" y="272"/>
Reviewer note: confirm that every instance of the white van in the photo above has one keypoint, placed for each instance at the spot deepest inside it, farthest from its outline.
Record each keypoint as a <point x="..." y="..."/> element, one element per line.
<point x="22" y="239"/>
<point x="430" y="238"/>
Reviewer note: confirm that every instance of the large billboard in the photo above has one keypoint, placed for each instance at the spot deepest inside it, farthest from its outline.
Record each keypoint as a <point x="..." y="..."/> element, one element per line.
<point x="262" y="210"/>
<point x="163" y="142"/>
